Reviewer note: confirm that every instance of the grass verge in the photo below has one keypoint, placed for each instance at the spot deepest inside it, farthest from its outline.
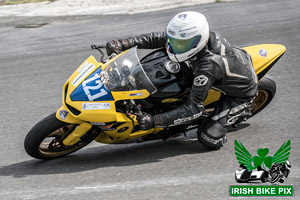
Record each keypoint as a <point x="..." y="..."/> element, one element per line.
<point x="14" y="2"/>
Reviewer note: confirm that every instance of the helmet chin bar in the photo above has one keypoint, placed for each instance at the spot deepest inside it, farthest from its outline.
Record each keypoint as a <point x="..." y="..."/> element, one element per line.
<point x="182" y="57"/>
<point x="174" y="58"/>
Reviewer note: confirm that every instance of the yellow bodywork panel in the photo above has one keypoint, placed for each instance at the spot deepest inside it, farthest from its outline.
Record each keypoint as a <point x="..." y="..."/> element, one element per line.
<point x="84" y="70"/>
<point x="126" y="95"/>
<point x="264" y="54"/>
<point x="77" y="133"/>
<point x="89" y="114"/>
<point x="83" y="127"/>
<point x="95" y="111"/>
<point x="212" y="96"/>
<point x="123" y="132"/>
<point x="68" y="118"/>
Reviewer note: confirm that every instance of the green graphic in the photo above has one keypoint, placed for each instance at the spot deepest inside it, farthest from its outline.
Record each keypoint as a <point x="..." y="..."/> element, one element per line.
<point x="244" y="157"/>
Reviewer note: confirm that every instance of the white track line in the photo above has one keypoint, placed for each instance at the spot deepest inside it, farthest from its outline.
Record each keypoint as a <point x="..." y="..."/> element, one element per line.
<point x="127" y="185"/>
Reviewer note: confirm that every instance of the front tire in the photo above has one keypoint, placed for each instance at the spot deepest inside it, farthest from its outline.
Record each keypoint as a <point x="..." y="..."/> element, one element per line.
<point x="44" y="140"/>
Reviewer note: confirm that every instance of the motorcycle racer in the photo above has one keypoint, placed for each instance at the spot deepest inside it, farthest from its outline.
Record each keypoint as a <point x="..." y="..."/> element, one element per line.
<point x="215" y="63"/>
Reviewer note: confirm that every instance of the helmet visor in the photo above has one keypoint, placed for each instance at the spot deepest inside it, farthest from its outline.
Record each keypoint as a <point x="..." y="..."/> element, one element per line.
<point x="183" y="45"/>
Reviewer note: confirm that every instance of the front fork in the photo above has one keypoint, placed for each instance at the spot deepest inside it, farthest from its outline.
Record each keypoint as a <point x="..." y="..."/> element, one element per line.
<point x="63" y="115"/>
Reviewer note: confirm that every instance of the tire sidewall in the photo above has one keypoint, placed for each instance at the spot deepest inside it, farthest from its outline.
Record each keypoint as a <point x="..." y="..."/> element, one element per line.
<point x="268" y="85"/>
<point x="39" y="132"/>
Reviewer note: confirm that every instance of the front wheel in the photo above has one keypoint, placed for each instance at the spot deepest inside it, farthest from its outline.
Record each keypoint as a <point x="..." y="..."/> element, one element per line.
<point x="44" y="140"/>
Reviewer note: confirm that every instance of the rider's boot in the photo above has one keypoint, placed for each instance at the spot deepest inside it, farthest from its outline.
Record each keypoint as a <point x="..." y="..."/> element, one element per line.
<point x="212" y="135"/>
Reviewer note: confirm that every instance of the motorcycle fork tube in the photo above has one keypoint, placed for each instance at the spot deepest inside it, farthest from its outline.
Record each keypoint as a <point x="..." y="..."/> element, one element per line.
<point x="79" y="131"/>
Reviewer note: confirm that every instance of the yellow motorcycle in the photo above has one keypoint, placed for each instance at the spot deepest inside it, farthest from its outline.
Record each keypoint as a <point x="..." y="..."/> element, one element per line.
<point x="101" y="100"/>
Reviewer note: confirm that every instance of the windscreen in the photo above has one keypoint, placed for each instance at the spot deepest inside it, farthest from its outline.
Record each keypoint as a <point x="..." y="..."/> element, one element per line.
<point x="126" y="74"/>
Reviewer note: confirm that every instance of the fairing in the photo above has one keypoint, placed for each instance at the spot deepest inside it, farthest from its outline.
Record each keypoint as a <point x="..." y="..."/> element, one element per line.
<point x="85" y="95"/>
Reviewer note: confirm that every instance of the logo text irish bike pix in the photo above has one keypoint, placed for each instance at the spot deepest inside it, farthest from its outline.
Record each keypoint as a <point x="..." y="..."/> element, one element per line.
<point x="262" y="168"/>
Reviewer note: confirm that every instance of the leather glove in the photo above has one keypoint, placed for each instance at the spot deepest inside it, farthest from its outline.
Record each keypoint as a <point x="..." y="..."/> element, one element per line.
<point x="114" y="47"/>
<point x="146" y="121"/>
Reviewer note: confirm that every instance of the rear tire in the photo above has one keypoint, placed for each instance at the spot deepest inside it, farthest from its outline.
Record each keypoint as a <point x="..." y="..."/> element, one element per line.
<point x="266" y="92"/>
<point x="54" y="131"/>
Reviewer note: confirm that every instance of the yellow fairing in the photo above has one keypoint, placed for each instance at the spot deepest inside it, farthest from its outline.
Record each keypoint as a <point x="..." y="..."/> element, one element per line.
<point x="108" y="111"/>
<point x="124" y="133"/>
<point x="69" y="118"/>
<point x="83" y="71"/>
<point x="262" y="61"/>
<point x="81" y="129"/>
<point x="77" y="133"/>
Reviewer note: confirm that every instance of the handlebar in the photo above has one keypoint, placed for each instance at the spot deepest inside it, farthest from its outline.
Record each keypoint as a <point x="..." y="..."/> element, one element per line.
<point x="98" y="47"/>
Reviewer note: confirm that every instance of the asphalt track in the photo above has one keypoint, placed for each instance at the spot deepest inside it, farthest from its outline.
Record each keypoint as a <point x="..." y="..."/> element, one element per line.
<point x="35" y="62"/>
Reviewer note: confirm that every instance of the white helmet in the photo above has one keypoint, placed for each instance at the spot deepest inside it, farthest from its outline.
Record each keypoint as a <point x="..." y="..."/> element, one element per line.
<point x="187" y="34"/>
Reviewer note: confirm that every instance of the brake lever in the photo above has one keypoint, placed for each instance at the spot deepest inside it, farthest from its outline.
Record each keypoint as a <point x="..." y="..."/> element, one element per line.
<point x="136" y="107"/>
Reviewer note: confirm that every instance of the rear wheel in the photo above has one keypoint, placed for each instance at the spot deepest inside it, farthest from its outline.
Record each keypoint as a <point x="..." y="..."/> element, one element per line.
<point x="266" y="92"/>
<point x="44" y="140"/>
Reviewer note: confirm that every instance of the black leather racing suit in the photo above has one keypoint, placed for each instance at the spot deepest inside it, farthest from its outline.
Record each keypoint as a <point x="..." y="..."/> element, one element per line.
<point x="218" y="66"/>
